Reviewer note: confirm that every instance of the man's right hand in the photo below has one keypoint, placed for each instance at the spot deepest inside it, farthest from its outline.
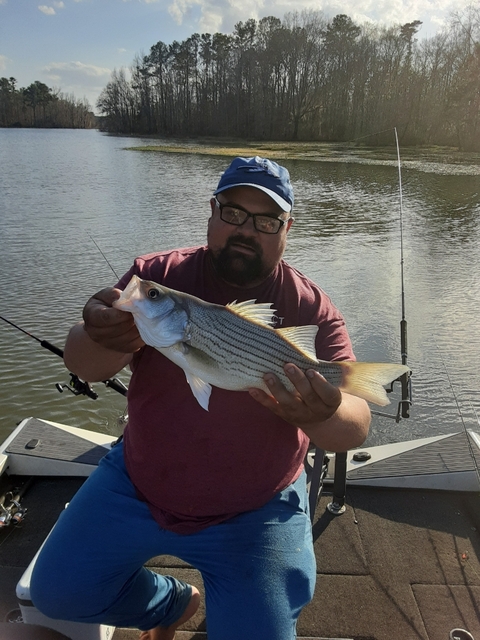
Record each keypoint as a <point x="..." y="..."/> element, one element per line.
<point x="110" y="327"/>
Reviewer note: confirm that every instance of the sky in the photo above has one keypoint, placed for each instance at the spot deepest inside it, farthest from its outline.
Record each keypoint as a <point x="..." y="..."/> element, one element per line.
<point x="74" y="45"/>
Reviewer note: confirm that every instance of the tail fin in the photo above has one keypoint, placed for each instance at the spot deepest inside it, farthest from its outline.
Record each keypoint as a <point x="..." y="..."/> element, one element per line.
<point x="367" y="379"/>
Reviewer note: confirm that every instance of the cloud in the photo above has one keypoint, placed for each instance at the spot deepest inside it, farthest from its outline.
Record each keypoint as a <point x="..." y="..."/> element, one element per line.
<point x="222" y="15"/>
<point x="178" y="9"/>
<point x="214" y="16"/>
<point x="78" y="70"/>
<point x="48" y="11"/>
<point x="77" y="78"/>
<point x="217" y="15"/>
<point x="4" y="61"/>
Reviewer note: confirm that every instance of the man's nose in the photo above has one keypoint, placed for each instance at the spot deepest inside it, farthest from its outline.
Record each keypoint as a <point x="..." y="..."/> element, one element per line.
<point x="249" y="226"/>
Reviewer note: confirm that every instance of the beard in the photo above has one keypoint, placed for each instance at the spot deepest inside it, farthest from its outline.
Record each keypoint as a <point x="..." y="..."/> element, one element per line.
<point x="238" y="268"/>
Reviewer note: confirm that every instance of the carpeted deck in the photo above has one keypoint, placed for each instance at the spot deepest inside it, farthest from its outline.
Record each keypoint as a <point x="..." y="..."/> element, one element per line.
<point x="398" y="565"/>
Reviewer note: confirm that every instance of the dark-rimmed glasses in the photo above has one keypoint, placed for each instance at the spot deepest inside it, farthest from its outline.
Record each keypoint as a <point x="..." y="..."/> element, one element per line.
<point x="262" y="222"/>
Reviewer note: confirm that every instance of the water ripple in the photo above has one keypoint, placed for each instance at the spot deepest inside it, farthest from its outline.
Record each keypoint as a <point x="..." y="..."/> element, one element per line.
<point x="58" y="189"/>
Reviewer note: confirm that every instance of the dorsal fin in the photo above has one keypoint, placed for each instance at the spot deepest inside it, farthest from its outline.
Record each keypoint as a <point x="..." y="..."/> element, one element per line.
<point x="302" y="338"/>
<point x="261" y="313"/>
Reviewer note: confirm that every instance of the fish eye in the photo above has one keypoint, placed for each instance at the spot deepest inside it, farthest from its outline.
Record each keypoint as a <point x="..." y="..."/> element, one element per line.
<point x="153" y="293"/>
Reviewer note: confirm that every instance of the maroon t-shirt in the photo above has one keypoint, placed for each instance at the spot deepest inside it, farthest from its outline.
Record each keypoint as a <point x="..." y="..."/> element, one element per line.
<point x="196" y="468"/>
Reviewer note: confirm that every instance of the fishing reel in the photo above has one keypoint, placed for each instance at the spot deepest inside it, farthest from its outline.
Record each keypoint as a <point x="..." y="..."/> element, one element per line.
<point x="13" y="514"/>
<point x="403" y="407"/>
<point x="77" y="387"/>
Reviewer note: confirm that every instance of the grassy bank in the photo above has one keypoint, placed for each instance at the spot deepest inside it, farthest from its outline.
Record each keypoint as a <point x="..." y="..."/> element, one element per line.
<point x="316" y="151"/>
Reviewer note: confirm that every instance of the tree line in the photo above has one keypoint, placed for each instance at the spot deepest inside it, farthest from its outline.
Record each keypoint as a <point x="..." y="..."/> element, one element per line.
<point x="40" y="106"/>
<point x="306" y="77"/>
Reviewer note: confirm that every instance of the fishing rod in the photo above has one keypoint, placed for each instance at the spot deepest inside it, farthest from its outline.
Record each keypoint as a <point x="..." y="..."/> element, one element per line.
<point x="76" y="386"/>
<point x="405" y="379"/>
<point x="403" y="407"/>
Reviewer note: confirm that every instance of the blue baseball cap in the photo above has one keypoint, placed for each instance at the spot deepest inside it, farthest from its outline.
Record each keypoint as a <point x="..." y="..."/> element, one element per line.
<point x="261" y="173"/>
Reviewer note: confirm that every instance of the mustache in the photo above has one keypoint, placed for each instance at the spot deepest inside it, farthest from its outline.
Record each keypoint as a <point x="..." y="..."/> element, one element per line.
<point x="246" y="241"/>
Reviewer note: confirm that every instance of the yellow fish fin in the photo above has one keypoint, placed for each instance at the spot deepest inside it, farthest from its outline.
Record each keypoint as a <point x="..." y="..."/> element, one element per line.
<point x="302" y="338"/>
<point x="261" y="313"/>
<point x="367" y="379"/>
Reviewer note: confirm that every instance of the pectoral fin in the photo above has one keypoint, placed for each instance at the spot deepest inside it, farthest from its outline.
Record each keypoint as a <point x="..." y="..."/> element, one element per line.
<point x="200" y="389"/>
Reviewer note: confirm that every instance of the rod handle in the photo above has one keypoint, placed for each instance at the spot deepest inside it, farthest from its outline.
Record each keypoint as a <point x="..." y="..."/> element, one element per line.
<point x="116" y="385"/>
<point x="51" y="347"/>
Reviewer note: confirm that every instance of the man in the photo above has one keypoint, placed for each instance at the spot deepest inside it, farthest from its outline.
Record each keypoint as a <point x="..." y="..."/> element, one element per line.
<point x="225" y="489"/>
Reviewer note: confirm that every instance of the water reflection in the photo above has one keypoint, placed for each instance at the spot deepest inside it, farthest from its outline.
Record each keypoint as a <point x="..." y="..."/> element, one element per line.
<point x="339" y="198"/>
<point x="446" y="207"/>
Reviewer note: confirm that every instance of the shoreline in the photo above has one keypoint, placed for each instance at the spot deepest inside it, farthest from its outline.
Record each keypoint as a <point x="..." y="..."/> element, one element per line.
<point x="319" y="151"/>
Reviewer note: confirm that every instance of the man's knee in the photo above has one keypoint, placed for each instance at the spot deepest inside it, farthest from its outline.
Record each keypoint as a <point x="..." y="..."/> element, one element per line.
<point x="48" y="596"/>
<point x="300" y="587"/>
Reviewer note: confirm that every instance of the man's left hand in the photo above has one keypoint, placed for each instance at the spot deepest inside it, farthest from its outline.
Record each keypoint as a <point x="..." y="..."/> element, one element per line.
<point x="314" y="400"/>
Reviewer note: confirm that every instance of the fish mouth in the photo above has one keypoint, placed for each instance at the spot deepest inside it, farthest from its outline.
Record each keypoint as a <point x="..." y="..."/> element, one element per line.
<point x="128" y="297"/>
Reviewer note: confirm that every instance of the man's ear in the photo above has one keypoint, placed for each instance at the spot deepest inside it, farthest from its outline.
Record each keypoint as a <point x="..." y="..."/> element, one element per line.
<point x="212" y="205"/>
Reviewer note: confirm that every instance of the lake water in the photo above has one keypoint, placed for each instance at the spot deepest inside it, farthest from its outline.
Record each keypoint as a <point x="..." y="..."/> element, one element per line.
<point x="61" y="188"/>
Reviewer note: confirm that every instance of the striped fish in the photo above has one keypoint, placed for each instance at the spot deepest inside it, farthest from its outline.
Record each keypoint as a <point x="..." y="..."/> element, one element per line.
<point x="232" y="347"/>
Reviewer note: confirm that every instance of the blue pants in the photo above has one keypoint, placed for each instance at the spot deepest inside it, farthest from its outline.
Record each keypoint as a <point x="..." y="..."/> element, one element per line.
<point x="258" y="568"/>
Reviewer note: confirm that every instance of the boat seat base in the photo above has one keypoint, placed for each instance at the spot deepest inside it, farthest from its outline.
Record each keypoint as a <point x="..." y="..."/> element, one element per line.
<point x="31" y="616"/>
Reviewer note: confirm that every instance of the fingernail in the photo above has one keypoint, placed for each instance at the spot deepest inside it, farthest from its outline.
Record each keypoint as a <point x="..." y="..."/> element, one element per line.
<point x="310" y="373"/>
<point x="270" y="380"/>
<point x="290" y="370"/>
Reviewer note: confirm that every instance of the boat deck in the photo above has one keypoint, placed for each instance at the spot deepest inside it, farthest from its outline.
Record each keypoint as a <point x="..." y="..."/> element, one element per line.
<point x="397" y="565"/>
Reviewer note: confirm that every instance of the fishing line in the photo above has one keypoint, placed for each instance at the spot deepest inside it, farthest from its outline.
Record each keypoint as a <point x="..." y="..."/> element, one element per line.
<point x="105" y="257"/>
<point x="370" y="135"/>
<point x="475" y="412"/>
<point x="457" y="403"/>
